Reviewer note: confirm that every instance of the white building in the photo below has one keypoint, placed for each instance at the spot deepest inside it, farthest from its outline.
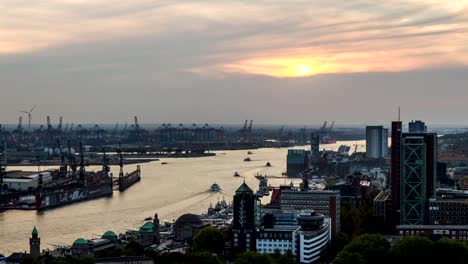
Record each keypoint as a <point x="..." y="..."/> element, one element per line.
<point x="27" y="181"/>
<point x="278" y="237"/>
<point x="305" y="241"/>
<point x="312" y="238"/>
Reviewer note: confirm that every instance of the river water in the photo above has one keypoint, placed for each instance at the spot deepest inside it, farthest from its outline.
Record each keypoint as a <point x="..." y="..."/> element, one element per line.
<point x="179" y="187"/>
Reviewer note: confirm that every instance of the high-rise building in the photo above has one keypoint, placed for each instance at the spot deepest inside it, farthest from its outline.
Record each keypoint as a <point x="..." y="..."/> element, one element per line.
<point x="417" y="126"/>
<point x="35" y="244"/>
<point x="376" y="142"/>
<point x="247" y="218"/>
<point x="297" y="162"/>
<point x="414" y="170"/>
<point x="396" y="170"/>
<point x="314" y="150"/>
<point x="418" y="176"/>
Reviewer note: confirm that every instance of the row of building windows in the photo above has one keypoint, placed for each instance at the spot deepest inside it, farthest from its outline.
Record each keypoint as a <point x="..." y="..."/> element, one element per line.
<point x="275" y="235"/>
<point x="286" y="245"/>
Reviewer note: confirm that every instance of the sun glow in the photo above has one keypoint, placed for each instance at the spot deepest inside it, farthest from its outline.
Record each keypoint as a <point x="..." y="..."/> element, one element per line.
<point x="278" y="67"/>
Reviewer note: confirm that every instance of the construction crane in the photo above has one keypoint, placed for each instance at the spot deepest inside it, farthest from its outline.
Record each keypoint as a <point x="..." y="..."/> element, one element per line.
<point x="250" y="126"/>
<point x="331" y="127"/>
<point x="63" y="166"/>
<point x="137" y="126"/>
<point x="114" y="132"/>
<point x="82" y="166"/>
<point x="121" y="172"/>
<point x="71" y="158"/>
<point x="60" y="124"/>
<point x="20" y="124"/>
<point x="49" y="126"/>
<point x="324" y="125"/>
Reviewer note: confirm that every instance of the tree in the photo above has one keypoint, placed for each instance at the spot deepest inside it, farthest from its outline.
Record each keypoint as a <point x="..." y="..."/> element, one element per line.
<point x="209" y="239"/>
<point x="254" y="257"/>
<point x="349" y="258"/>
<point x="413" y="249"/>
<point x="447" y="250"/>
<point x="373" y="248"/>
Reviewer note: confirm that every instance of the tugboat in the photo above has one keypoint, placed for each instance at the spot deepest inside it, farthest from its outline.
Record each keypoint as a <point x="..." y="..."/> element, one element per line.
<point x="214" y="187"/>
<point x="268" y="164"/>
<point x="236" y="174"/>
<point x="247" y="159"/>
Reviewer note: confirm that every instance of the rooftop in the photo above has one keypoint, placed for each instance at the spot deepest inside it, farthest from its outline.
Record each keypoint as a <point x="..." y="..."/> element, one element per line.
<point x="244" y="188"/>
<point x="80" y="241"/>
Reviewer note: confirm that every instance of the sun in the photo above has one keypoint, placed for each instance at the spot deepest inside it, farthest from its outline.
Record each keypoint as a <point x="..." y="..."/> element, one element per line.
<point x="302" y="70"/>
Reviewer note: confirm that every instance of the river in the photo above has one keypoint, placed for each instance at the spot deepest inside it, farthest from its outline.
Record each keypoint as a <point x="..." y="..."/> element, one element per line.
<point x="179" y="187"/>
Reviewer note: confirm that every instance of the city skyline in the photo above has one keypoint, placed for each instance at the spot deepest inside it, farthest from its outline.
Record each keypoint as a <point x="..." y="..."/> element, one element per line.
<point x="223" y="61"/>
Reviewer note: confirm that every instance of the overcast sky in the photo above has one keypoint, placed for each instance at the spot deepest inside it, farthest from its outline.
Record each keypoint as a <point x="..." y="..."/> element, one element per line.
<point x="215" y="61"/>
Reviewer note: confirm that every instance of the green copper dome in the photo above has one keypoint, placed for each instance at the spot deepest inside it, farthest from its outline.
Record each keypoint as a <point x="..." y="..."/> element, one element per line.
<point x="80" y="241"/>
<point x="148" y="227"/>
<point x="34" y="232"/>
<point x="109" y="234"/>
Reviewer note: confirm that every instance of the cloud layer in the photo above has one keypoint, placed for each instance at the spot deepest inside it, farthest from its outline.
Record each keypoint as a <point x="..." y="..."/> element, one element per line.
<point x="176" y="61"/>
<point x="283" y="39"/>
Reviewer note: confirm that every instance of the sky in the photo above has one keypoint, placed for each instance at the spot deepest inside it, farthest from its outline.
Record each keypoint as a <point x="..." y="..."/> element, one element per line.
<point x="217" y="61"/>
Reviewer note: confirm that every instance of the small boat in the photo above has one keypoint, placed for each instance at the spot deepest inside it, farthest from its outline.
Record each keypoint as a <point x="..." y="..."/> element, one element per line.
<point x="268" y="164"/>
<point x="236" y="174"/>
<point x="247" y="159"/>
<point x="249" y="153"/>
<point x="164" y="163"/>
<point x="214" y="187"/>
<point x="148" y="218"/>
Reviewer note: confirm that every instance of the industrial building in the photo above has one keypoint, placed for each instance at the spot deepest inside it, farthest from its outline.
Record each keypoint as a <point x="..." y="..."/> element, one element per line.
<point x="25" y="180"/>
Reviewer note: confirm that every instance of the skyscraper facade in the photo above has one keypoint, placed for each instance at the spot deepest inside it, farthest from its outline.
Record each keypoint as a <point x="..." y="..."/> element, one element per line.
<point x="247" y="218"/>
<point x="314" y="150"/>
<point x="376" y="142"/>
<point x="396" y="170"/>
<point x="414" y="170"/>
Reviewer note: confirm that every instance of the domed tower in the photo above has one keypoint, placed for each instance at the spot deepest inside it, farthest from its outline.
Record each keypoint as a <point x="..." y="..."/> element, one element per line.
<point x="35" y="244"/>
<point x="157" y="236"/>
